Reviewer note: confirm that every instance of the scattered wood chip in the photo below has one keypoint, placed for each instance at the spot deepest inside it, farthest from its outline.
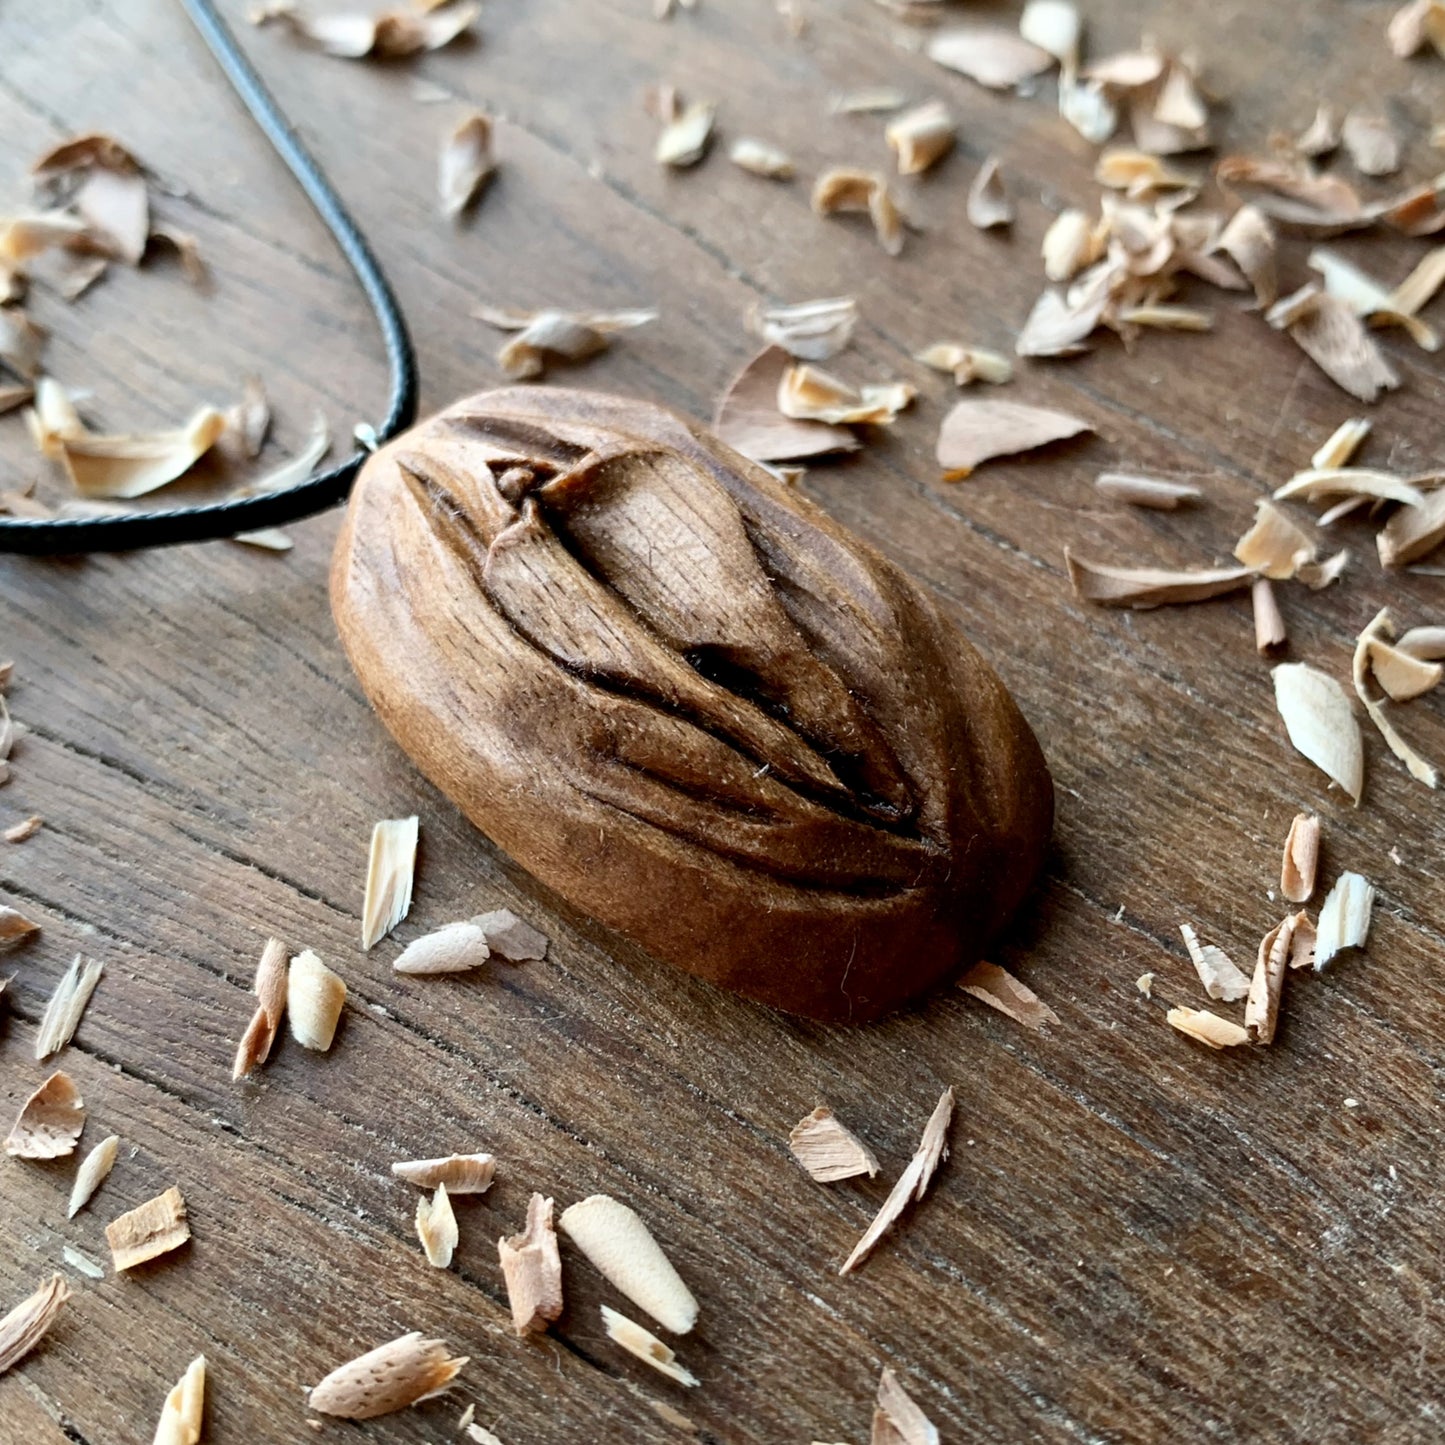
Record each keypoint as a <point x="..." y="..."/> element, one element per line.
<point x="49" y="1121"/>
<point x="990" y="54"/>
<point x="78" y="1260"/>
<point x="510" y="938"/>
<point x="1329" y="332"/>
<point x="1344" y="918"/>
<point x="684" y="141"/>
<point x="808" y="393"/>
<point x="127" y="465"/>
<point x="1293" y="193"/>
<point x="869" y="100"/>
<point x="247" y="422"/>
<point x="1000" y="990"/>
<point x="270" y="989"/>
<point x="1274" y="546"/>
<point x="1249" y="241"/>
<point x="920" y="137"/>
<point x="1321" y="135"/>
<point x="21" y="342"/>
<point x="391" y="35"/>
<point x="1320" y="482"/>
<point x="619" y="1244"/>
<point x="1261" y="1009"/>
<point x="1301" y="858"/>
<point x="15" y="928"/>
<point x="1072" y="242"/>
<point x="388" y="1378"/>
<point x="966" y="364"/>
<point x="1208" y="1028"/>
<point x="465" y="164"/>
<point x="749" y="421"/>
<point x="828" y="1149"/>
<point x="897" y="1419"/>
<point x="25" y="828"/>
<point x="974" y="431"/>
<point x="1145" y="984"/>
<point x="843" y="191"/>
<point x="761" y="159"/>
<point x="545" y="336"/>
<point x="66" y="1005"/>
<point x="1150" y="586"/>
<point x="809" y="330"/>
<point x="1416" y="24"/>
<point x="150" y="1230"/>
<point x="436" y="1227"/>
<point x="461" y="1173"/>
<point x="1379" y="631"/>
<point x="1139" y="174"/>
<point x="94" y="1170"/>
<point x="481" y="1436"/>
<point x="1413" y="531"/>
<point x="184" y="1411"/>
<point x="389" y="875"/>
<point x="1403" y="676"/>
<point x="315" y="997"/>
<point x="26" y="1325"/>
<point x="1342" y="445"/>
<point x="453" y="949"/>
<point x="1221" y="977"/>
<point x="645" y="1346"/>
<point x="1367" y="297"/>
<point x="1427" y="643"/>
<point x="1320" y="724"/>
<point x="1088" y="107"/>
<point x="1154" y="493"/>
<point x="989" y="203"/>
<point x="1371" y="142"/>
<point x="1419" y="211"/>
<point x="1055" y="26"/>
<point x="1061" y="323"/>
<point x="532" y="1269"/>
<point x="53" y="418"/>
<point x="1420" y="286"/>
<point x="14" y="396"/>
<point x="912" y="1183"/>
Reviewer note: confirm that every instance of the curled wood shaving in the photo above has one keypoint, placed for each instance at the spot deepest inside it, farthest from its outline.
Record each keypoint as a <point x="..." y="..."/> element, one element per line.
<point x="1419" y="211"/>
<point x="27" y="1324"/>
<point x="1000" y="990"/>
<point x="1367" y="297"/>
<point x="1320" y="724"/>
<point x="388" y="1378"/>
<point x="1320" y="482"/>
<point x="184" y="1411"/>
<point x="1150" y="586"/>
<point x="761" y="159"/>
<point x="270" y="989"/>
<point x="53" y="418"/>
<point x="1424" y="642"/>
<point x="989" y="204"/>
<point x="642" y="1344"/>
<point x="684" y="141"/>
<point x="1072" y="242"/>
<point x="1055" y="26"/>
<point x="391" y="35"/>
<point x="1221" y="977"/>
<point x="1371" y="142"/>
<point x="21" y="343"/>
<point x="912" y="1183"/>
<point x="315" y="997"/>
<point x="622" y="1248"/>
<point x="1344" y="918"/>
<point x="1342" y="445"/>
<point x="466" y="163"/>
<point x="461" y="1173"/>
<point x="974" y="431"/>
<point x="1420" y="286"/>
<point x="49" y="1121"/>
<point x="1293" y="193"/>
<point x="828" y="1149"/>
<point x="1413" y="531"/>
<point x="453" y="949"/>
<point x="1249" y="241"/>
<point x="1380" y="629"/>
<point x="1274" y="546"/>
<point x="26" y="828"/>
<point x="152" y="1229"/>
<point x="1154" y="493"/>
<point x="1321" y="135"/>
<point x="247" y="422"/>
<point x="897" y="1419"/>
<point x="532" y="1268"/>
<point x="1415" y="25"/>
<point x="1207" y="1028"/>
<point x="14" y="396"/>
<point x="1139" y="174"/>
<point x="1060" y="324"/>
<point x="94" y="1170"/>
<point x="990" y="54"/>
<point x="66" y="1005"/>
<point x="132" y="464"/>
<point x="1301" y="859"/>
<point x="1330" y="333"/>
<point x="1145" y="984"/>
<point x="749" y="421"/>
<point x="843" y="190"/>
<point x="808" y="393"/>
<point x="1402" y="676"/>
<point x="1087" y="107"/>
<point x="15" y="928"/>
<point x="436" y="1227"/>
<point x="510" y="938"/>
<point x="920" y="137"/>
<point x="809" y="330"/>
<point x="389" y="875"/>
<point x="1261" y="1009"/>
<point x="966" y="364"/>
<point x="288" y="474"/>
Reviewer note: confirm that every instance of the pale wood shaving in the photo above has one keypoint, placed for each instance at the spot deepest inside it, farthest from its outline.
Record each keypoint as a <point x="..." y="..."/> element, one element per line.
<point x="642" y="1344"/>
<point x="749" y="421"/>
<point x="1416" y="24"/>
<point x="1321" y="135"/>
<point x="94" y="1170"/>
<point x="270" y="988"/>
<point x="247" y="422"/>
<point x="1302" y="945"/>
<point x="760" y="158"/>
<point x="546" y="336"/>
<point x="532" y="1268"/>
<point x="897" y="1419"/>
<point x="1402" y="676"/>
<point x="1419" y="211"/>
<point x="1139" y="174"/>
<point x="391" y="35"/>
<point x="21" y="343"/>
<point x="912" y="1183"/>
<point x="391" y="1377"/>
<point x="15" y="928"/>
<point x="869" y="100"/>
<point x="1380" y="629"/>
<point x="1207" y="1028"/>
<point x="989" y="54"/>
<point x="828" y="1149"/>
<point x="844" y="190"/>
<point x="1269" y="628"/>
<point x="1424" y="642"/>
<point x="27" y="1324"/>
<point x="436" y="1227"/>
<point x="1367" y="297"/>
<point x="974" y="431"/>
<point x="152" y="1229"/>
<point x="465" y="164"/>
<point x="510" y="938"/>
<point x="1344" y="918"/>
<point x="1320" y="482"/>
<point x="1371" y="142"/>
<point x="1261" y="1009"/>
<point x="920" y="137"/>
<point x="479" y="1435"/>
<point x="315" y="997"/>
<point x="1301" y="861"/>
<point x="1320" y="724"/>
<point x="1293" y="193"/>
<point x="1420" y="286"/>
<point x="684" y="141"/>
<point x="1145" y="984"/>
<point x="78" y="1260"/>
<point x="621" y="1247"/>
<point x="1087" y="107"/>
<point x="389" y="875"/>
<point x="1060" y="323"/>
<point x="808" y="393"/>
<point x="966" y="364"/>
<point x="24" y="829"/>
<point x="1248" y="239"/>
<point x="1413" y="531"/>
<point x="461" y="1173"/>
<point x="66" y="1005"/>
<point x="989" y="204"/>
<point x="809" y="330"/>
<point x="1072" y="242"/>
<point x="1274" y="545"/>
<point x="127" y="465"/>
<point x="1150" y="586"/>
<point x="1055" y="26"/>
<point x="1000" y="990"/>
<point x="53" y="418"/>
<point x="49" y="1121"/>
<point x="1343" y="443"/>
<point x="1330" y="333"/>
<point x="183" y="1414"/>
<point x="1221" y="977"/>
<point x="453" y="949"/>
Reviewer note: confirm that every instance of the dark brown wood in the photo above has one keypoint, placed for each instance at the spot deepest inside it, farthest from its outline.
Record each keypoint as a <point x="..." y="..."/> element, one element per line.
<point x="1135" y="1239"/>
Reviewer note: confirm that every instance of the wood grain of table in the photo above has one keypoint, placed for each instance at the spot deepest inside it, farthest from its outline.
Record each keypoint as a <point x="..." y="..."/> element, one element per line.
<point x="1135" y="1239"/>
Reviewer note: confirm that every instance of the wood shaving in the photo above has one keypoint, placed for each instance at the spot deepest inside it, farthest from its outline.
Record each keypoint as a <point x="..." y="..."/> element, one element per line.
<point x="21" y="343"/>
<point x="844" y="191"/>
<point x="1402" y="676"/>
<point x="1087" y="107"/>
<point x="1269" y="629"/>
<point x="82" y="1262"/>
<point x="1318" y="718"/>
<point x="974" y="431"/>
<point x="1145" y="984"/>
<point x="1420" y="286"/>
<point x="1150" y="586"/>
<point x="1380" y="630"/>
<point x="1000" y="990"/>
<point x="1332" y="335"/>
<point x="684" y="141"/>
<point x="436" y="1227"/>
<point x="152" y="1229"/>
<point x="761" y="159"/>
<point x="15" y="928"/>
<point x="49" y="1121"/>
<point x="749" y="421"/>
<point x="270" y="988"/>
<point x="809" y="330"/>
<point x="1250" y="242"/>
<point x="1274" y="546"/>
<point x="989" y="203"/>
<point x="26" y="828"/>
<point x="1419" y="211"/>
<point x="315" y="997"/>
<point x="1342" y="445"/>
<point x="93" y="1172"/>
<point x="480" y="1436"/>
<point x="990" y="54"/>
<point x="1153" y="493"/>
<point x="1059" y="325"/>
<point x="127" y="465"/>
<point x="1320" y="136"/>
<point x="53" y="418"/>
<point x="391" y="35"/>
<point x="1367" y="297"/>
<point x="1415" y="25"/>
<point x="465" y="164"/>
<point x="912" y="1183"/>
<point x="1221" y="977"/>
<point x="1311" y="486"/>
<point x="1072" y="242"/>
<point x="14" y="396"/>
<point x="546" y="336"/>
<point x="1344" y="918"/>
<point x="808" y="393"/>
<point x="461" y="1173"/>
<point x="828" y="1149"/>
<point x="1301" y="858"/>
<point x="1413" y="531"/>
<point x="532" y="1268"/>
<point x="897" y="1419"/>
<point x="247" y="422"/>
<point x="967" y="364"/>
<point x="1207" y="1028"/>
<point x="920" y="137"/>
<point x="388" y="1378"/>
<point x="1261" y="1009"/>
<point x="183" y="1414"/>
<point x="1371" y="142"/>
<point x="510" y="938"/>
<point x="453" y="949"/>
<point x="1139" y="174"/>
<point x="642" y="1344"/>
<point x="1055" y="26"/>
<point x="27" y="1324"/>
<point x="66" y="1005"/>
<point x="1423" y="642"/>
<point x="389" y="875"/>
<point x="620" y="1246"/>
<point x="1292" y="193"/>
<point x="870" y="100"/>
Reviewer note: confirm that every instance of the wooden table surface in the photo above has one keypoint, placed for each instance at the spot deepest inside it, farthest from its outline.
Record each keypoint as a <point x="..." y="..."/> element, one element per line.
<point x="1135" y="1239"/>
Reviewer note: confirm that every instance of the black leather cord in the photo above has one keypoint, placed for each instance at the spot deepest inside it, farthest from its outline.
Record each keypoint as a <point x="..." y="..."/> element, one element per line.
<point x="71" y="535"/>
